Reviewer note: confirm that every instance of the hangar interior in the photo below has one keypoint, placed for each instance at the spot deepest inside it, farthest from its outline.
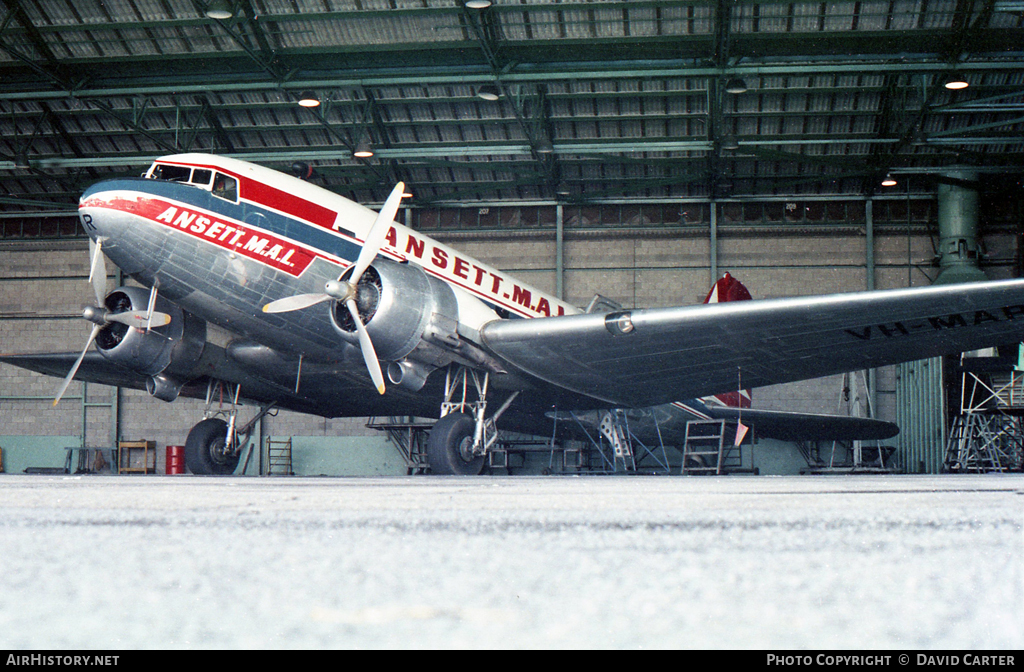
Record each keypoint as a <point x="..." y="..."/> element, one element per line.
<point x="637" y="150"/>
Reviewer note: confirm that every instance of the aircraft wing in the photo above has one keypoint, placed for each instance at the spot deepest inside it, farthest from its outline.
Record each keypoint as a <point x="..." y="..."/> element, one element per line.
<point x="95" y="368"/>
<point x="647" y="357"/>
<point x="329" y="390"/>
<point x="787" y="426"/>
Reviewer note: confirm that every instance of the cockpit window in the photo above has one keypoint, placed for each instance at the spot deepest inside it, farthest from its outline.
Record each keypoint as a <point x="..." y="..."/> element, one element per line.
<point x="201" y="178"/>
<point x="225" y="187"/>
<point x="170" y="173"/>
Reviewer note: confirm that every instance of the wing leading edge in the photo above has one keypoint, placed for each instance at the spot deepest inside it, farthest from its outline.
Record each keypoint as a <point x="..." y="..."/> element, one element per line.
<point x="647" y="357"/>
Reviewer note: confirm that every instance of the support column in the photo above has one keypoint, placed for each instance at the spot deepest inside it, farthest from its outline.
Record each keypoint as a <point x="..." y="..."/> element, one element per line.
<point x="869" y="244"/>
<point x="714" y="243"/>
<point x="869" y="284"/>
<point x="559" y="252"/>
<point x="958" y="229"/>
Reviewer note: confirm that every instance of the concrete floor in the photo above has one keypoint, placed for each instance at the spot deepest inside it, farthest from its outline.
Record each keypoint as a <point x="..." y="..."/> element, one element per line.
<point x="873" y="562"/>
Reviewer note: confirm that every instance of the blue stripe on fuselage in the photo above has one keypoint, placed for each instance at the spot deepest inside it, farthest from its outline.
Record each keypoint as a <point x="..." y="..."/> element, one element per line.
<point x="252" y="215"/>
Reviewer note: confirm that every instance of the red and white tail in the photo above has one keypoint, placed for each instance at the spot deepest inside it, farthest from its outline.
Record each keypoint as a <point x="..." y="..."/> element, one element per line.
<point x="729" y="288"/>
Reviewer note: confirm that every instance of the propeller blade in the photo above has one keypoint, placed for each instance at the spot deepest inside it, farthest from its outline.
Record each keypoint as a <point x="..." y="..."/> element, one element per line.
<point x="74" y="369"/>
<point x="97" y="271"/>
<point x="149" y="308"/>
<point x="297" y="302"/>
<point x="378" y="232"/>
<point x="366" y="346"/>
<point x="139" y="319"/>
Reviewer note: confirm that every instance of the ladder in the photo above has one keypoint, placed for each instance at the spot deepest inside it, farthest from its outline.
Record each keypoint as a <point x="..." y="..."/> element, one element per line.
<point x="704" y="448"/>
<point x="279" y="457"/>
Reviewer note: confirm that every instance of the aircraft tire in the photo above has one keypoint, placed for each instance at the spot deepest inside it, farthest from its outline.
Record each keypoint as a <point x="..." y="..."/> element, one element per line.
<point x="447" y="444"/>
<point x="202" y="449"/>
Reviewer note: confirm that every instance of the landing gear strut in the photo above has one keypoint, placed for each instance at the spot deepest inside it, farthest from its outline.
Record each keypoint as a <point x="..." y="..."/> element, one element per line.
<point x="214" y="445"/>
<point x="459" y="441"/>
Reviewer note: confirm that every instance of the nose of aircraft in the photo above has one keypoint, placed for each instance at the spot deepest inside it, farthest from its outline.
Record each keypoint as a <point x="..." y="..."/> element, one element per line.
<point x="97" y="213"/>
<point x="110" y="213"/>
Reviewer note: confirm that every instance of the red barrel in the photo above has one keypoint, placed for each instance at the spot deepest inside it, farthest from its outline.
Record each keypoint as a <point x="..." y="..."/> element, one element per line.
<point x="175" y="460"/>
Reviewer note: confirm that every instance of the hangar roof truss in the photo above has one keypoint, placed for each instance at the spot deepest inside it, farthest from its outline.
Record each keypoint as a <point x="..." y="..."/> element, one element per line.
<point x="600" y="99"/>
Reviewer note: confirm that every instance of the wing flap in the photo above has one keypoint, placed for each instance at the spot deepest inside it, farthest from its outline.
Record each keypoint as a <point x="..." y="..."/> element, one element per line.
<point x="647" y="357"/>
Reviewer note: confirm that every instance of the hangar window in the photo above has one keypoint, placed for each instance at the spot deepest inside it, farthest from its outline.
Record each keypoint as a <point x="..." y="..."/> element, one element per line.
<point x="225" y="187"/>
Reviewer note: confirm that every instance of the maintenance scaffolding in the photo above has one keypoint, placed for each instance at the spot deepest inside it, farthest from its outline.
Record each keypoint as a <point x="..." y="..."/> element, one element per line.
<point x="988" y="434"/>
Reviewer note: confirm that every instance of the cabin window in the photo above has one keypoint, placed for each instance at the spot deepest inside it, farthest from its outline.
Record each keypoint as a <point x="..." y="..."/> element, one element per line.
<point x="201" y="178"/>
<point x="170" y="173"/>
<point x="225" y="187"/>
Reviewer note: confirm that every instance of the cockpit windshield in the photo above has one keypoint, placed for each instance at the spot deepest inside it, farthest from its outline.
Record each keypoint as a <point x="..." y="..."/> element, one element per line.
<point x="160" y="171"/>
<point x="223" y="186"/>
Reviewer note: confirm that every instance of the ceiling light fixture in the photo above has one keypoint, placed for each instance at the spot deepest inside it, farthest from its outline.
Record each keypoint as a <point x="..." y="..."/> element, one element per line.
<point x="735" y="85"/>
<point x="730" y="142"/>
<point x="955" y="82"/>
<point x="889" y="181"/>
<point x="477" y="4"/>
<point x="545" y="147"/>
<point x="219" y="9"/>
<point x="489" y="92"/>
<point x="364" y="149"/>
<point x="309" y="99"/>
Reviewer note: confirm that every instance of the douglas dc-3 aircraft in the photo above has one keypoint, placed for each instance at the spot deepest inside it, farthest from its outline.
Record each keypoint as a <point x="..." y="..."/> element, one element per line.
<point x="325" y="298"/>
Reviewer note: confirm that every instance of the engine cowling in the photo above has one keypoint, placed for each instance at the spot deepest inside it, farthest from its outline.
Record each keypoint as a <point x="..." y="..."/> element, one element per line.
<point x="411" y="317"/>
<point x="164" y="354"/>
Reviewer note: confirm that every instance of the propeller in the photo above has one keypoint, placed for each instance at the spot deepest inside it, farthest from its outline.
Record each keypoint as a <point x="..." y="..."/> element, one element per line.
<point x="101" y="317"/>
<point x="345" y="290"/>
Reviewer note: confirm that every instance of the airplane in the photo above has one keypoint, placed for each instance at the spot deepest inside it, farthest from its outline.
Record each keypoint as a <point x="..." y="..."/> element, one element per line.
<point x="339" y="311"/>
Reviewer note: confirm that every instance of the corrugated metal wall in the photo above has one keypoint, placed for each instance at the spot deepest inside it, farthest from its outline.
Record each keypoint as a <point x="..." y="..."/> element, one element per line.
<point x="920" y="413"/>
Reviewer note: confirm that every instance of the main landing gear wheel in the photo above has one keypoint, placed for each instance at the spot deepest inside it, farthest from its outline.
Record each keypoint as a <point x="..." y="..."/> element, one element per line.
<point x="205" y="451"/>
<point x="450" y="446"/>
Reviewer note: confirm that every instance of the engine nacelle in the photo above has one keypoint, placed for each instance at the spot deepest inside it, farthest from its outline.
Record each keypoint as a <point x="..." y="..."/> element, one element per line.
<point x="165" y="354"/>
<point x="411" y="317"/>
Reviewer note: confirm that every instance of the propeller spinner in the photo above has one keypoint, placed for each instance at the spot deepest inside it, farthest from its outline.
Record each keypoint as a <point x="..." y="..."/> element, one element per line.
<point x="345" y="291"/>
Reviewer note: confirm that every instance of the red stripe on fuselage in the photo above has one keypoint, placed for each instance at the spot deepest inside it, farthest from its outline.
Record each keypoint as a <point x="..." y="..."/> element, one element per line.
<point x="446" y="265"/>
<point x="289" y="204"/>
<point x="279" y="253"/>
<point x="271" y="197"/>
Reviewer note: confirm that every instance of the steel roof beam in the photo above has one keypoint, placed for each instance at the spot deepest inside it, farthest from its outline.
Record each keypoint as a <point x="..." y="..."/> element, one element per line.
<point x="522" y="74"/>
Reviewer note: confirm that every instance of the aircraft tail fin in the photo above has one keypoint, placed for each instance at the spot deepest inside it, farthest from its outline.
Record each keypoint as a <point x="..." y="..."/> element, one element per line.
<point x="728" y="288"/>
